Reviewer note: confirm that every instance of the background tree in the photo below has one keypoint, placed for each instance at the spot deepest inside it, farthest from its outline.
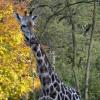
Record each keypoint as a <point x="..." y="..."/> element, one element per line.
<point x="54" y="25"/>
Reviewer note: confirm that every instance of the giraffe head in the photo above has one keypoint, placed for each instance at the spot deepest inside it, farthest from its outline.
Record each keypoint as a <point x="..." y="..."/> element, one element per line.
<point x="26" y="23"/>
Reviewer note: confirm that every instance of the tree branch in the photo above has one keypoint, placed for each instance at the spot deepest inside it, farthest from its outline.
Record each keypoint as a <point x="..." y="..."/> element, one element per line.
<point x="57" y="13"/>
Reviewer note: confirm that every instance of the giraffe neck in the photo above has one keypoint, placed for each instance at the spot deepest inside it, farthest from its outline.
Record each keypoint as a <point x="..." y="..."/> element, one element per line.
<point x="44" y="67"/>
<point x="52" y="87"/>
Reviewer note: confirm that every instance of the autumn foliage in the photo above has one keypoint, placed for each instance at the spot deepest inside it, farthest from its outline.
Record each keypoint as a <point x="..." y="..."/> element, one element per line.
<point x="15" y="74"/>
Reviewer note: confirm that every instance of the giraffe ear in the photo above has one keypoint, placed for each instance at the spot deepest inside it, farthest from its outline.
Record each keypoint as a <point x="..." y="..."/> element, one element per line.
<point x="34" y="17"/>
<point x="18" y="17"/>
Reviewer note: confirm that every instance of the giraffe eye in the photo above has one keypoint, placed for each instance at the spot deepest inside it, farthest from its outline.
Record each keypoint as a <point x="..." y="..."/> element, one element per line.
<point x="24" y="26"/>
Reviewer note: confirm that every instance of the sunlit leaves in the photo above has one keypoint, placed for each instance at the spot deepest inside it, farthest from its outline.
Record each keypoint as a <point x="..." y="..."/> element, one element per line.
<point x="15" y="79"/>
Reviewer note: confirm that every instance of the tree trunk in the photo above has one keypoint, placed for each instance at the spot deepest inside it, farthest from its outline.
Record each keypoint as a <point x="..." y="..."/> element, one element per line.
<point x="73" y="46"/>
<point x="52" y="57"/>
<point x="89" y="55"/>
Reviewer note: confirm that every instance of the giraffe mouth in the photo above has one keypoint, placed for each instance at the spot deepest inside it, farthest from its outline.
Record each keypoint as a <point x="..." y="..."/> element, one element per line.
<point x="28" y="35"/>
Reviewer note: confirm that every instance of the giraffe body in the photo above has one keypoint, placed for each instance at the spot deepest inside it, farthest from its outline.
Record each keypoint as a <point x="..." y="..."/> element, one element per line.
<point x="52" y="87"/>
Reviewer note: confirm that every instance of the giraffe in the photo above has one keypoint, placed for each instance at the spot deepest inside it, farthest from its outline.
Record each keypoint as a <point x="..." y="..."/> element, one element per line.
<point x="52" y="86"/>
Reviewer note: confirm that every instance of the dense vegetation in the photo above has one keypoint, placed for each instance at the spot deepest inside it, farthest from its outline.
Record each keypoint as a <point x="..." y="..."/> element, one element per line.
<point x="15" y="74"/>
<point x="65" y="26"/>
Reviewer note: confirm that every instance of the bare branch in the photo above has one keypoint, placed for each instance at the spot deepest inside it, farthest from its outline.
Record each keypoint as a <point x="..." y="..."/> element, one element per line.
<point x="79" y="2"/>
<point x="41" y="6"/>
<point x="59" y="11"/>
